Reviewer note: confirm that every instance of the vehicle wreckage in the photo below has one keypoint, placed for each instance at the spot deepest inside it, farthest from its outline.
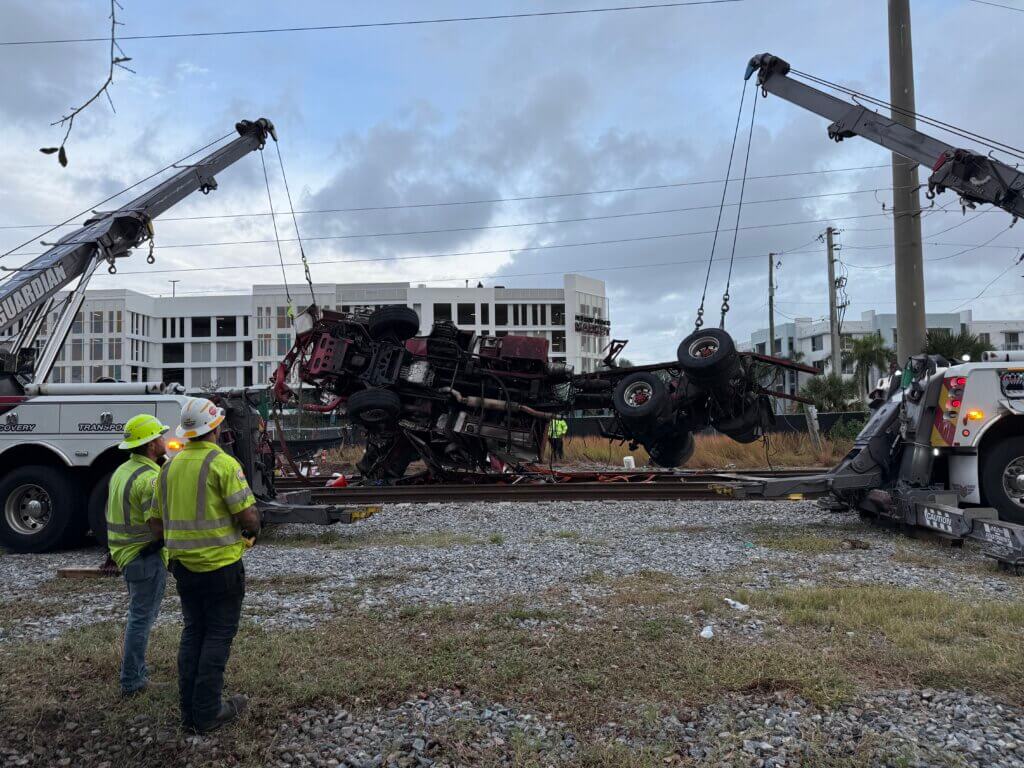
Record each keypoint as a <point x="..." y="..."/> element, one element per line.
<point x="459" y="401"/>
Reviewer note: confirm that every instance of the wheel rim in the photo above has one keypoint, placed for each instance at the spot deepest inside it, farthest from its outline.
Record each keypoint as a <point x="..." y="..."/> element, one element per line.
<point x="704" y="347"/>
<point x="374" y="415"/>
<point x="1013" y="481"/>
<point x="637" y="394"/>
<point x="27" y="509"/>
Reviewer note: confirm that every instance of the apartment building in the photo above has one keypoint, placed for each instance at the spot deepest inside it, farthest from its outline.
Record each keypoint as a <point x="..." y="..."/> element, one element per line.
<point x="237" y="339"/>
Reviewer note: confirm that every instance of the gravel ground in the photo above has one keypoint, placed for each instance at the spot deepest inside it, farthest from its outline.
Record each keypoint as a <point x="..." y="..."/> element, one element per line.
<point x="466" y="554"/>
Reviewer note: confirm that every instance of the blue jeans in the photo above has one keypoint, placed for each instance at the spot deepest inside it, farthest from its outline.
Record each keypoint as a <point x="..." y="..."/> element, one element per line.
<point x="146" y="578"/>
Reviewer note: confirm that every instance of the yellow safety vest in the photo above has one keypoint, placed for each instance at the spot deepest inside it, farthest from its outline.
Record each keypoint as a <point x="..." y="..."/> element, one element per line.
<point x="129" y="496"/>
<point x="197" y="494"/>
<point x="557" y="428"/>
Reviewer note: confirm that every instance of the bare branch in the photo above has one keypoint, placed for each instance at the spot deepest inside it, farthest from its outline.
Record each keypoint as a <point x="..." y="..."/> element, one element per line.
<point x="117" y="59"/>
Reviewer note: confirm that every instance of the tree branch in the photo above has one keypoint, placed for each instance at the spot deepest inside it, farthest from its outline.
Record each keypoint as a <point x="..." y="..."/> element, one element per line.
<point x="117" y="60"/>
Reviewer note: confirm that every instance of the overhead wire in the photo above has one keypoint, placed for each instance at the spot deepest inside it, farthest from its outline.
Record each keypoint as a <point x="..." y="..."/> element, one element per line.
<point x="375" y="24"/>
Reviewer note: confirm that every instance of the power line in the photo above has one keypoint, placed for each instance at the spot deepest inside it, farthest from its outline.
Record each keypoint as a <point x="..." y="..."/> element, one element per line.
<point x="369" y="25"/>
<point x="524" y="198"/>
<point x="997" y="5"/>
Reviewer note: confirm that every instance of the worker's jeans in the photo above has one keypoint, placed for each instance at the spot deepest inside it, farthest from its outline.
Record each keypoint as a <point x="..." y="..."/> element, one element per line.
<point x="557" y="448"/>
<point x="211" y="605"/>
<point x="146" y="578"/>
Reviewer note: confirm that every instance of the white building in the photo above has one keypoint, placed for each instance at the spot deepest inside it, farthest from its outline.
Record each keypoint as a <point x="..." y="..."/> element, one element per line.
<point x="236" y="340"/>
<point x="812" y="339"/>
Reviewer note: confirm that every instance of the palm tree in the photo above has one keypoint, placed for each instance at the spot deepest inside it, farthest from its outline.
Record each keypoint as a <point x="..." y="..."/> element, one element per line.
<point x="954" y="347"/>
<point x="867" y="354"/>
<point x="830" y="392"/>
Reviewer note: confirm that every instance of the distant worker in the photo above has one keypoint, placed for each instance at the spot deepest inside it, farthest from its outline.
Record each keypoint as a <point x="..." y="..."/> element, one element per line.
<point x="556" y="436"/>
<point x="133" y="546"/>
<point x="207" y="515"/>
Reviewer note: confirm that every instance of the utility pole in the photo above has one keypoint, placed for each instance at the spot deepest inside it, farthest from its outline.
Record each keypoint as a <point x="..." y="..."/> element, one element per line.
<point x="910" y="309"/>
<point x="833" y="309"/>
<point x="771" y="303"/>
<point x="174" y="287"/>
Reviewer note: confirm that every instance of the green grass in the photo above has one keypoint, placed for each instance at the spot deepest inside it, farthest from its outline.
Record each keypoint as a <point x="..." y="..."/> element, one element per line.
<point x="794" y="539"/>
<point x="362" y="539"/>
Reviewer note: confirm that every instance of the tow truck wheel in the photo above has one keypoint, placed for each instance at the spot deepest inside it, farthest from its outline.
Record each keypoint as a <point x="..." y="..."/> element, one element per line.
<point x="640" y="398"/>
<point x="374" y="409"/>
<point x="394" y="321"/>
<point x="707" y="355"/>
<point x="38" y="506"/>
<point x="1002" y="478"/>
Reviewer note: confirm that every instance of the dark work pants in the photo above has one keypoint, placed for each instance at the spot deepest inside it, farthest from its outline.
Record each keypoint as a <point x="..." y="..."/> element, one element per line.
<point x="211" y="605"/>
<point x="557" y="447"/>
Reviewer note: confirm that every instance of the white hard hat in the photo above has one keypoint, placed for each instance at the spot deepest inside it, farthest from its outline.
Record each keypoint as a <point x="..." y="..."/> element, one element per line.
<point x="199" y="416"/>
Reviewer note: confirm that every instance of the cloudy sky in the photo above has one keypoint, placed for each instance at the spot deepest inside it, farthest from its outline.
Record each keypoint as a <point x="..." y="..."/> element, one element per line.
<point x="538" y="109"/>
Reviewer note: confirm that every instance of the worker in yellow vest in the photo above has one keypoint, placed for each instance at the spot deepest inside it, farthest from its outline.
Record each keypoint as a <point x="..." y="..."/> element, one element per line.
<point x="207" y="515"/>
<point x="133" y="546"/>
<point x="556" y="437"/>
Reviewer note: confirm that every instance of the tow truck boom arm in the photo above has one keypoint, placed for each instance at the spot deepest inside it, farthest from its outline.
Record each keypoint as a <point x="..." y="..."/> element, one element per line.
<point x="976" y="178"/>
<point x="110" y="235"/>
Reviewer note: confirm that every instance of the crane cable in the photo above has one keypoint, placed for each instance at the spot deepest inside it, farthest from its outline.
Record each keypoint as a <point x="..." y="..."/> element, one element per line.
<point x="295" y="223"/>
<point x="739" y="212"/>
<point x="725" y="187"/>
<point x="277" y="238"/>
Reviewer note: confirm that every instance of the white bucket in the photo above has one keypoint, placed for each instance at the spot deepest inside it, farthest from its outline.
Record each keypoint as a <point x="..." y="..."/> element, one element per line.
<point x="628" y="462"/>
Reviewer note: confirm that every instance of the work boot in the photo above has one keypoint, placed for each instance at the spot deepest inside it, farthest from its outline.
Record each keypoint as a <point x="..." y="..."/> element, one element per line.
<point x="230" y="710"/>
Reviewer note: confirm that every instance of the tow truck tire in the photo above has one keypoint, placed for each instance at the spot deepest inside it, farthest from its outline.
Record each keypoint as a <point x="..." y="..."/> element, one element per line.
<point x="374" y="409"/>
<point x="1001" y="465"/>
<point x="38" y="507"/>
<point x="640" y="398"/>
<point x="707" y="355"/>
<point x="394" y="321"/>
<point x="672" y="451"/>
<point x="97" y="509"/>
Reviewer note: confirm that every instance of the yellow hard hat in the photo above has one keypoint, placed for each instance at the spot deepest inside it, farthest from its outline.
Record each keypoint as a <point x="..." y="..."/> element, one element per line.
<point x="141" y="429"/>
<point x="199" y="416"/>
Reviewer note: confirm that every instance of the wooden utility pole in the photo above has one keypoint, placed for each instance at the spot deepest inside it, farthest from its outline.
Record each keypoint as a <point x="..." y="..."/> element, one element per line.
<point x="833" y="309"/>
<point x="910" y="308"/>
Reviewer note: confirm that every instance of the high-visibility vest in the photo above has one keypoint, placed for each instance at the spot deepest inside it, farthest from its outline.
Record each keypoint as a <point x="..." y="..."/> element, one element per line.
<point x="197" y="494"/>
<point x="557" y="428"/>
<point x="129" y="496"/>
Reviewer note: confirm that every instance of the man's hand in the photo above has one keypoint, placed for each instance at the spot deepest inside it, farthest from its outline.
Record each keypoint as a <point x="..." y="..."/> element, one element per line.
<point x="156" y="526"/>
<point x="249" y="520"/>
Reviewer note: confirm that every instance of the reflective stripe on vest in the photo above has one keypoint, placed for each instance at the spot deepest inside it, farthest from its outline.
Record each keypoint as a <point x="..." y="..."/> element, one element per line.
<point x="130" y="534"/>
<point x="201" y="521"/>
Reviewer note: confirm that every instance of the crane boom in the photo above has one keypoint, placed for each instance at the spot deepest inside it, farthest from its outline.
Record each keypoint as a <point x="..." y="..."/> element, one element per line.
<point x="976" y="178"/>
<point x="110" y="235"/>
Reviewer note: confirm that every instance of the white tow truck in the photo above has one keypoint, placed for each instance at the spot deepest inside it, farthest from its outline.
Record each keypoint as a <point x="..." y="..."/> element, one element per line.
<point x="58" y="441"/>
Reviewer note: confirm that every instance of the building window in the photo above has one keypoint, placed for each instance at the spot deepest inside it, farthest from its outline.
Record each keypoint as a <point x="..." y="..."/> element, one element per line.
<point x="760" y="348"/>
<point x="467" y="314"/>
<point x="485" y="313"/>
<point x="558" y="314"/>
<point x="201" y="327"/>
<point x="201" y="352"/>
<point x="77" y="350"/>
<point x="76" y="374"/>
<point x="282" y="317"/>
<point x="114" y="349"/>
<point x="535" y="314"/>
<point x="501" y="314"/>
<point x="96" y="373"/>
<point x="174" y="353"/>
<point x="227" y="326"/>
<point x="116" y="322"/>
<point x="247" y="351"/>
<point x="57" y="375"/>
<point x="245" y="325"/>
<point x="283" y="343"/>
<point x="95" y="349"/>
<point x="263" y="372"/>
<point x="984" y="338"/>
<point x="202" y="377"/>
<point x="226" y="352"/>
<point x="1012" y="339"/>
<point x="174" y="376"/>
<point x="263" y="345"/>
<point x="76" y="326"/>
<point x="543" y="314"/>
<point x="817" y="343"/>
<point x="558" y="341"/>
<point x="515" y="314"/>
<point x="442" y="312"/>
<point x="115" y="372"/>
<point x="227" y="377"/>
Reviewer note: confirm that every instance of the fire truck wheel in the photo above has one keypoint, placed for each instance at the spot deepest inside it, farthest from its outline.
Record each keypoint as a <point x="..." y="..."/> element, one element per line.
<point x="639" y="398"/>
<point x="394" y="321"/>
<point x="97" y="509"/>
<point x="672" y="451"/>
<point x="374" y="409"/>
<point x="707" y="355"/>
<point x="38" y="506"/>
<point x="1002" y="478"/>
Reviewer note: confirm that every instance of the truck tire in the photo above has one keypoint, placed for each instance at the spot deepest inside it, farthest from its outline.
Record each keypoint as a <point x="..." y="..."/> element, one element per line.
<point x="672" y="451"/>
<point x="39" y="508"/>
<point x="708" y="355"/>
<point x="97" y="509"/>
<point x="395" y="321"/>
<point x="374" y="409"/>
<point x="640" y="398"/>
<point x="1001" y="467"/>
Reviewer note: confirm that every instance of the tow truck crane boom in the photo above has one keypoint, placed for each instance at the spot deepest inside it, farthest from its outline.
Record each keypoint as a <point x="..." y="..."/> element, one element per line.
<point x="27" y="294"/>
<point x="976" y="178"/>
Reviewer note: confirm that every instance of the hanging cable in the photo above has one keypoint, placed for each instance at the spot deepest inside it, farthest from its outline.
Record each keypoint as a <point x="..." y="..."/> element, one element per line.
<point x="295" y="223"/>
<point x="277" y="238"/>
<point x="739" y="212"/>
<point x="725" y="187"/>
